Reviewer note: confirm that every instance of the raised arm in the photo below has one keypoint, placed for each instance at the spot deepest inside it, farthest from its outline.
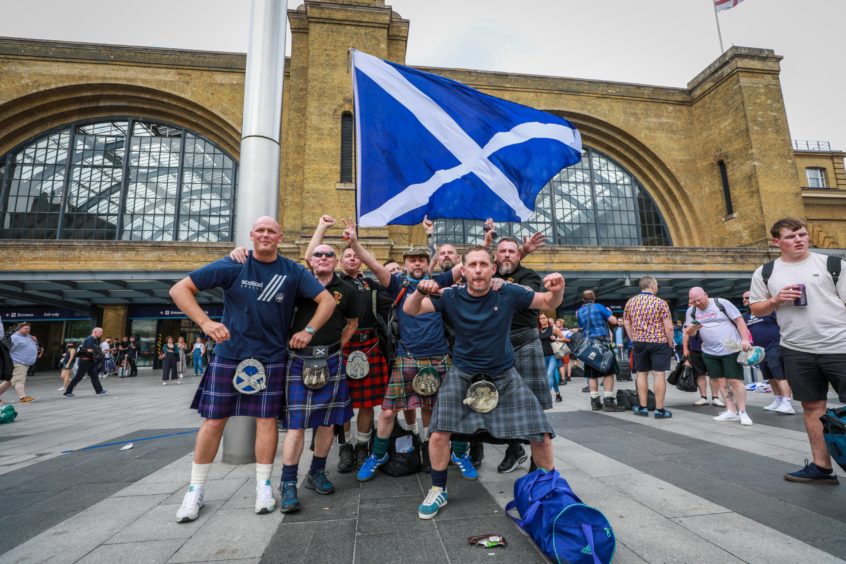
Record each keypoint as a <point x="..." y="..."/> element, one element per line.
<point x="429" y="228"/>
<point x="326" y="221"/>
<point x="554" y="295"/>
<point x="417" y="303"/>
<point x="382" y="274"/>
<point x="183" y="294"/>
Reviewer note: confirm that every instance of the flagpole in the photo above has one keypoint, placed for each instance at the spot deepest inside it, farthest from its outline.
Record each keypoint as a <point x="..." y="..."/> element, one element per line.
<point x="719" y="32"/>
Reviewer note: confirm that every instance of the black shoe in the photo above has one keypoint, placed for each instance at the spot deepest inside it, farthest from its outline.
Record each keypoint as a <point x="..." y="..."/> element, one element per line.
<point x="477" y="454"/>
<point x="515" y="455"/>
<point x="595" y="404"/>
<point x="426" y="465"/>
<point x="346" y="456"/>
<point x="360" y="454"/>
<point x="610" y="404"/>
<point x="558" y="397"/>
<point x="586" y="389"/>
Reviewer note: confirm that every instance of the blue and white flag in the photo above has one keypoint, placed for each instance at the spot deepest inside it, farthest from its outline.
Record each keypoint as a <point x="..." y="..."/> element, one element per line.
<point x="428" y="145"/>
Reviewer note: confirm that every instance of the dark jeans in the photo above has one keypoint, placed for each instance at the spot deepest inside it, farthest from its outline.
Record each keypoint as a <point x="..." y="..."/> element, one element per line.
<point x="86" y="367"/>
<point x="169" y="368"/>
<point x="133" y="368"/>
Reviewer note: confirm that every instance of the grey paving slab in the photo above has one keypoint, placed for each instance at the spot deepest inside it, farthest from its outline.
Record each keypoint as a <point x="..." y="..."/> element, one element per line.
<point x="159" y="523"/>
<point x="759" y="416"/>
<point x="216" y="490"/>
<point x="625" y="555"/>
<point x="316" y="542"/>
<point x="663" y="498"/>
<point x="387" y="486"/>
<point x="378" y="516"/>
<point x="454" y="534"/>
<point x="420" y="545"/>
<point x="151" y="552"/>
<point x="342" y="504"/>
<point x="227" y="535"/>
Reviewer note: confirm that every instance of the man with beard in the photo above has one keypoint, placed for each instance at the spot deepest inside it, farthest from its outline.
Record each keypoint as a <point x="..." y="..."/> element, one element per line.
<point x="484" y="361"/>
<point x="422" y="353"/>
<point x="369" y="391"/>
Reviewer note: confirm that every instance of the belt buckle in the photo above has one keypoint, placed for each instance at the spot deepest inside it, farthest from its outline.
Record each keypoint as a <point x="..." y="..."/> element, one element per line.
<point x="320" y="351"/>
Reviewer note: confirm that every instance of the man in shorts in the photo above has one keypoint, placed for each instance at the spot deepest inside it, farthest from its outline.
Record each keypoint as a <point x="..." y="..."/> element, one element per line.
<point x="595" y="321"/>
<point x="717" y="321"/>
<point x="813" y="336"/>
<point x="258" y="303"/>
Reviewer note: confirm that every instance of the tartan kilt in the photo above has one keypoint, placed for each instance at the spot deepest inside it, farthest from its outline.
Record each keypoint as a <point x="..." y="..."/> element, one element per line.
<point x="401" y="394"/>
<point x="518" y="416"/>
<point x="370" y="390"/>
<point x="307" y="408"/>
<point x="217" y="398"/>
<point x="530" y="364"/>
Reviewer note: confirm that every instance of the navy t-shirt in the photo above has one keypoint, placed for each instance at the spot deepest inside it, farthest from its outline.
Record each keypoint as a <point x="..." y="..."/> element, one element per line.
<point x="422" y="335"/>
<point x="593" y="319"/>
<point x="765" y="330"/>
<point x="258" y="299"/>
<point x="482" y="326"/>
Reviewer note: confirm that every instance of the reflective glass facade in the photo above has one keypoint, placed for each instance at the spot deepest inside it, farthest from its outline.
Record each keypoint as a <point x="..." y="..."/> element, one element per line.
<point x="595" y="202"/>
<point x="118" y="179"/>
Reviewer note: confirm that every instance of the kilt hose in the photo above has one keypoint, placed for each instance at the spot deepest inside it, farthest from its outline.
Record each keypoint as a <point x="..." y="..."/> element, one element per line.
<point x="518" y="416"/>
<point x="400" y="393"/>
<point x="217" y="398"/>
<point x="306" y="408"/>
<point x="530" y="364"/>
<point x="370" y="390"/>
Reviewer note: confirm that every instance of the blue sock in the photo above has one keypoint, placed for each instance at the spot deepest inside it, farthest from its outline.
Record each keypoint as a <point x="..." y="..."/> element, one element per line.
<point x="289" y="472"/>
<point x="317" y="464"/>
<point x="439" y="478"/>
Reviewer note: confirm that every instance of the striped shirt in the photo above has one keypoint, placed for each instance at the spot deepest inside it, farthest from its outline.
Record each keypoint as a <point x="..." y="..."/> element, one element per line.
<point x="646" y="313"/>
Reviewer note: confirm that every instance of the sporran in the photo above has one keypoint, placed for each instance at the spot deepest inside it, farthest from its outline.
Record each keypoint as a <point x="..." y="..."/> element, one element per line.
<point x="482" y="395"/>
<point x="357" y="365"/>
<point x="315" y="373"/>
<point x="427" y="381"/>
<point x="250" y="377"/>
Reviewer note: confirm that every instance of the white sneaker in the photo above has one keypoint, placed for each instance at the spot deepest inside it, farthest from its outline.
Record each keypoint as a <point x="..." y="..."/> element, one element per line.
<point x="718" y="402"/>
<point x="164" y="383"/>
<point x="785" y="407"/>
<point x="745" y="419"/>
<point x="191" y="505"/>
<point x="265" y="502"/>
<point x="701" y="401"/>
<point x="774" y="405"/>
<point x="727" y="416"/>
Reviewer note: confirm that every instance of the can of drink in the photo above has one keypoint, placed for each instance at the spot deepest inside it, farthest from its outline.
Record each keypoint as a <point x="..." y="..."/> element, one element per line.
<point x="802" y="300"/>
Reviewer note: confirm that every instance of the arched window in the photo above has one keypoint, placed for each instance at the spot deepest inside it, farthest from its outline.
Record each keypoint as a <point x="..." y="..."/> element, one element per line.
<point x="595" y="202"/>
<point x="125" y="179"/>
<point x="347" y="147"/>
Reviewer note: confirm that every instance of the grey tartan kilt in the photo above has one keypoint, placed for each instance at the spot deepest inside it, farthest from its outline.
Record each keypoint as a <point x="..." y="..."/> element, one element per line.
<point x="517" y="416"/>
<point x="530" y="364"/>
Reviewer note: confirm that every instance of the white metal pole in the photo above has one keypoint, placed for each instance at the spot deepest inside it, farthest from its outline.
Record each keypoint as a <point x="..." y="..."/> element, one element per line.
<point x="719" y="31"/>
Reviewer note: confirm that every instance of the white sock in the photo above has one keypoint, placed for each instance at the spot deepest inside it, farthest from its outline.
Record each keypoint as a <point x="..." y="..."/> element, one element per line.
<point x="610" y="395"/>
<point x="785" y="399"/>
<point x="199" y="474"/>
<point x="263" y="473"/>
<point x="425" y="436"/>
<point x="362" y="438"/>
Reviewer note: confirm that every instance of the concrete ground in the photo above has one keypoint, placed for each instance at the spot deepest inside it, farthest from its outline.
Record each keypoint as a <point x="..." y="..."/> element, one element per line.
<point x="686" y="489"/>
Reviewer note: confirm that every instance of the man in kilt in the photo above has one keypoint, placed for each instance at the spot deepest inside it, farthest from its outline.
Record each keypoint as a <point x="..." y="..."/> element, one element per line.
<point x="258" y="298"/>
<point x="366" y="392"/>
<point x="317" y="394"/>
<point x="421" y="345"/>
<point x="483" y="352"/>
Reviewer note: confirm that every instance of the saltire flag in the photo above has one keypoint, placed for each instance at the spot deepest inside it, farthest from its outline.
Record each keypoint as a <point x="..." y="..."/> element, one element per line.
<point x="726" y="4"/>
<point x="428" y="145"/>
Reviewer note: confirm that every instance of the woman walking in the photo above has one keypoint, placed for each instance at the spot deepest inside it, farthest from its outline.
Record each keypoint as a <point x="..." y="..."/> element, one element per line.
<point x="169" y="357"/>
<point x="67" y="365"/>
<point x="197" y="356"/>
<point x="549" y="335"/>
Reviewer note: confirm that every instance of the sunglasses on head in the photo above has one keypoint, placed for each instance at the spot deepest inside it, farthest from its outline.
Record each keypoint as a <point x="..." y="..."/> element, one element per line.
<point x="320" y="254"/>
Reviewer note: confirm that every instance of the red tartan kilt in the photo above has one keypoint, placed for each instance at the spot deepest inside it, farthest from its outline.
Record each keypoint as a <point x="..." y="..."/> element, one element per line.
<point x="370" y="390"/>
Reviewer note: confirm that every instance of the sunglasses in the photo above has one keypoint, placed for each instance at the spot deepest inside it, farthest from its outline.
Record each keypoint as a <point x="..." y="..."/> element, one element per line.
<point x="321" y="254"/>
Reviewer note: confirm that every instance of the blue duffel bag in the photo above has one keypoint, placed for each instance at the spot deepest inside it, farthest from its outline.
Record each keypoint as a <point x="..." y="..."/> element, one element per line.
<point x="565" y="529"/>
<point x="834" y="433"/>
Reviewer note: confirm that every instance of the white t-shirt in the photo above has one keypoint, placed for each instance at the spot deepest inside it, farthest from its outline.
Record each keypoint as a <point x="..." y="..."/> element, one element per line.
<point x="819" y="327"/>
<point x="106" y="349"/>
<point x="716" y="326"/>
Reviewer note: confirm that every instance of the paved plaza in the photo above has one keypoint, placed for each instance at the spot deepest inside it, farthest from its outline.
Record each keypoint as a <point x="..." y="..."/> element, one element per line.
<point x="681" y="490"/>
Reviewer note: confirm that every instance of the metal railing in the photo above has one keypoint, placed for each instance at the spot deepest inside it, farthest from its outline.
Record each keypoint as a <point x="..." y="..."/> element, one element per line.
<point x="801" y="145"/>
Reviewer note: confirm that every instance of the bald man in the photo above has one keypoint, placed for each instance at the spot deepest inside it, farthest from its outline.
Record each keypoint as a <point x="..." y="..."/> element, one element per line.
<point x="258" y="304"/>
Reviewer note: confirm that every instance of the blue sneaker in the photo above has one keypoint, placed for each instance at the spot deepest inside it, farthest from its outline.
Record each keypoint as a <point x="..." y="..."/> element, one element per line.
<point x="435" y="499"/>
<point x="288" y="492"/>
<point x="465" y="463"/>
<point x="811" y="474"/>
<point x="368" y="469"/>
<point x="642" y="411"/>
<point x="319" y="483"/>
<point x="662" y="413"/>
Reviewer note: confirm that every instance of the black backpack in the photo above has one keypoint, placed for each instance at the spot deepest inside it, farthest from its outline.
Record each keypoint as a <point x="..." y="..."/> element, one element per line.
<point x="402" y="463"/>
<point x="832" y="263"/>
<point x="628" y="399"/>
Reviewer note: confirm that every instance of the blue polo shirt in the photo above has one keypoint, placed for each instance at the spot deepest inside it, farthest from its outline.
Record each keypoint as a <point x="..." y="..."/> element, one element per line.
<point x="765" y="330"/>
<point x="593" y="320"/>
<point x="422" y="335"/>
<point x="258" y="301"/>
<point x="481" y="324"/>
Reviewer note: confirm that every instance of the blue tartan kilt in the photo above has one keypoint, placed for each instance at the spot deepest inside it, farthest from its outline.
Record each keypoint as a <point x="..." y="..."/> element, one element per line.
<point x="306" y="408"/>
<point x="217" y="398"/>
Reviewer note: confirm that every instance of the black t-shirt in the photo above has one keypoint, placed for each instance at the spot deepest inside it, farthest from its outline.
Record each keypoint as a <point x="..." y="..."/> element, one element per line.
<point x="527" y="318"/>
<point x="348" y="305"/>
<point x="367" y="287"/>
<point x="546" y="344"/>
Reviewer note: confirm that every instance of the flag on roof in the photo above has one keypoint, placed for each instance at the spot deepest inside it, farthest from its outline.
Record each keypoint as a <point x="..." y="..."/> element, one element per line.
<point x="428" y="145"/>
<point x="726" y="4"/>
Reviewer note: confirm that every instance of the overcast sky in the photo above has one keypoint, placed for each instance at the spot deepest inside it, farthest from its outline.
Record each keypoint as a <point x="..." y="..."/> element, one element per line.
<point x="662" y="42"/>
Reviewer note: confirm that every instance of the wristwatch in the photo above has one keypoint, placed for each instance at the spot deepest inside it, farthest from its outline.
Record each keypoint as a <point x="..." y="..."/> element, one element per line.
<point x="309" y="329"/>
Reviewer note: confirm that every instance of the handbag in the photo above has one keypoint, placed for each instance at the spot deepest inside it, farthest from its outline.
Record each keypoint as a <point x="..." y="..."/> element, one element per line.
<point x="559" y="350"/>
<point x="686" y="381"/>
<point x="673" y="377"/>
